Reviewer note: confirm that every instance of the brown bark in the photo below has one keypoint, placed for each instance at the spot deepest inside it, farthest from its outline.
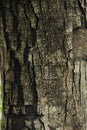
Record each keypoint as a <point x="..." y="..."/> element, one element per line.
<point x="43" y="64"/>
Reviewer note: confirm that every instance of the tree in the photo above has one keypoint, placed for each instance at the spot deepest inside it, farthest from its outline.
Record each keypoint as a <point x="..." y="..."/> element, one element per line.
<point x="43" y="64"/>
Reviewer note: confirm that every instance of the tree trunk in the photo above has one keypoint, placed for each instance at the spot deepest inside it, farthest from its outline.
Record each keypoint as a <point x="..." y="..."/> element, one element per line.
<point x="44" y="64"/>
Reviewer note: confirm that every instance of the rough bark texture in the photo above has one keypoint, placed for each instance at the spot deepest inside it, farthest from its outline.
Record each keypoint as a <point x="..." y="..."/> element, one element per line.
<point x="43" y="46"/>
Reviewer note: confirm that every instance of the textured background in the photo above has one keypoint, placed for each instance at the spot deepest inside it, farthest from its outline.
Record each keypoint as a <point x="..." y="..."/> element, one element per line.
<point x="44" y="64"/>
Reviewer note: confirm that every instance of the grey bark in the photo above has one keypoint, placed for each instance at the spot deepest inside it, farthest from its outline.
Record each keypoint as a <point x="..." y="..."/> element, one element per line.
<point x="44" y="64"/>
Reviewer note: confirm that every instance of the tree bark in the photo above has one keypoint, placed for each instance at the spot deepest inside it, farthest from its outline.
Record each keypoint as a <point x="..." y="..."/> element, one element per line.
<point x="44" y="64"/>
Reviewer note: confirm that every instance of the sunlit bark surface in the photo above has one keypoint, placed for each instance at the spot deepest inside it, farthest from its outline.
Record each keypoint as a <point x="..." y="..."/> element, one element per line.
<point x="43" y="48"/>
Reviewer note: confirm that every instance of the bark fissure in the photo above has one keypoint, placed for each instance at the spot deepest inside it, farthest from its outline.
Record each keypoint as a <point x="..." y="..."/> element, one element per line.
<point x="33" y="86"/>
<point x="83" y="16"/>
<point x="66" y="109"/>
<point x="73" y="79"/>
<point x="26" y="52"/>
<point x="17" y="80"/>
<point x="6" y="34"/>
<point x="14" y="16"/>
<point x="80" y="82"/>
